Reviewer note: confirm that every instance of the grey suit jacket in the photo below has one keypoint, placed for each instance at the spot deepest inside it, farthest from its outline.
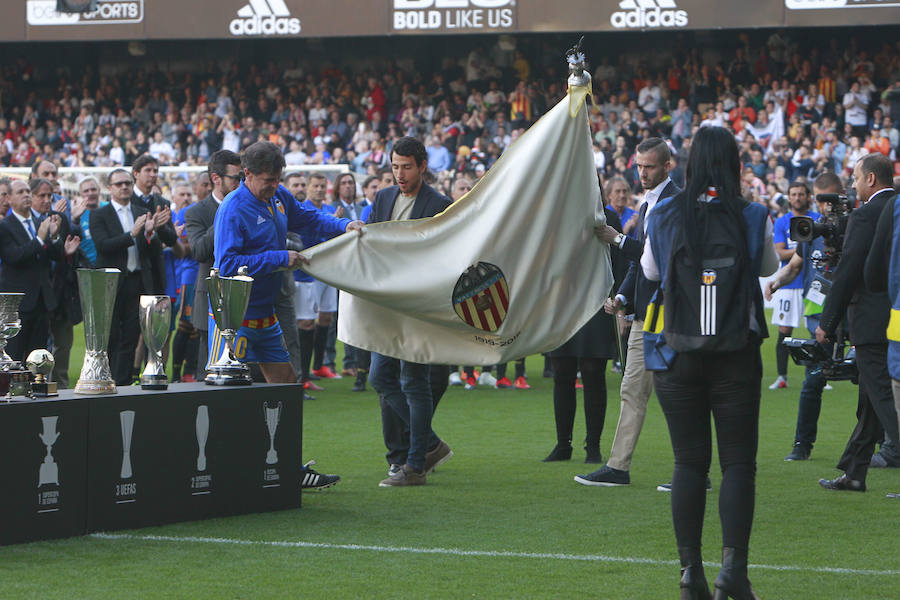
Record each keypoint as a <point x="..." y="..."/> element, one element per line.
<point x="198" y="221"/>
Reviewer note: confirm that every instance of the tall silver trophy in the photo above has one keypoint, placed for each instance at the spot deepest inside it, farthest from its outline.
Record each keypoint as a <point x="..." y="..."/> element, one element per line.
<point x="228" y="298"/>
<point x="97" y="289"/>
<point x="156" y="319"/>
<point x="14" y="380"/>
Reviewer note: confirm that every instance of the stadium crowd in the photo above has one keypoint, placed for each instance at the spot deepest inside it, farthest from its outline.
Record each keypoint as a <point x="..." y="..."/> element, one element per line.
<point x="797" y="107"/>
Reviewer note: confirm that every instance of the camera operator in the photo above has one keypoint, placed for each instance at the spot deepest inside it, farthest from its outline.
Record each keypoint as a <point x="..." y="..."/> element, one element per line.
<point x="883" y="274"/>
<point x="789" y="297"/>
<point x="868" y="314"/>
<point x="803" y="266"/>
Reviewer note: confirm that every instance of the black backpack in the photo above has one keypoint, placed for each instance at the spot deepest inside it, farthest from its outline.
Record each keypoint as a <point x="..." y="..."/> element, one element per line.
<point x="708" y="300"/>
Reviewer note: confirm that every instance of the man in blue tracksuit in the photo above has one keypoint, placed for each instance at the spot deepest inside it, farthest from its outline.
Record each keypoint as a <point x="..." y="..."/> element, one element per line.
<point x="250" y="230"/>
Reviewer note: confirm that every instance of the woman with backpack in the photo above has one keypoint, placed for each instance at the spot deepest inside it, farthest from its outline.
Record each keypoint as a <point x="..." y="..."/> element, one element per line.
<point x="706" y="246"/>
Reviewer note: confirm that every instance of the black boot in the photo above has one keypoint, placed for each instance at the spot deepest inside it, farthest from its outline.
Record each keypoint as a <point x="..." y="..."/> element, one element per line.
<point x="360" y="385"/>
<point x="593" y="455"/>
<point x="732" y="581"/>
<point x="693" y="581"/>
<point x="560" y="452"/>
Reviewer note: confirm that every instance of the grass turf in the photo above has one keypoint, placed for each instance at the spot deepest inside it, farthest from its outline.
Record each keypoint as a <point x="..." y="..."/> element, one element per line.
<point x="566" y="540"/>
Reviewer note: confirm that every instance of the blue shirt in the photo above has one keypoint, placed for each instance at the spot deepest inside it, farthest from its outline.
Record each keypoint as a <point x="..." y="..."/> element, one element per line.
<point x="185" y="268"/>
<point x="438" y="158"/>
<point x="624" y="217"/>
<point x="300" y="274"/>
<point x="253" y="233"/>
<point x="781" y="233"/>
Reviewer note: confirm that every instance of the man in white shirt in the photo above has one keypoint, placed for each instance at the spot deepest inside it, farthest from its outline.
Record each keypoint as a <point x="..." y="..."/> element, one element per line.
<point x="855" y="105"/>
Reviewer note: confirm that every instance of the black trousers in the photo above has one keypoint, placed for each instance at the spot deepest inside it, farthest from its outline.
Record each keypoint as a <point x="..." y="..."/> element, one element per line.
<point x="875" y="411"/>
<point x="394" y="430"/>
<point x="126" y="328"/>
<point x="593" y="373"/>
<point x="725" y="386"/>
<point x="34" y="334"/>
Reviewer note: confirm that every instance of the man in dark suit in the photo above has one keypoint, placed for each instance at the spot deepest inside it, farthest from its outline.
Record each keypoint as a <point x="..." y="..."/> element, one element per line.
<point x="26" y="250"/>
<point x="146" y="174"/>
<point x="225" y="174"/>
<point x="127" y="239"/>
<point x="403" y="386"/>
<point x="867" y="315"/>
<point x="654" y="161"/>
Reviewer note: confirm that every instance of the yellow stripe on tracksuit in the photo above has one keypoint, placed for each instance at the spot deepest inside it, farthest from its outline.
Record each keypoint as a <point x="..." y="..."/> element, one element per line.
<point x="893" y="328"/>
<point x="648" y="319"/>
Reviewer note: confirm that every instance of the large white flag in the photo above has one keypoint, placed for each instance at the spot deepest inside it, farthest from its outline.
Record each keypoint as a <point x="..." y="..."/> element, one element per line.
<point x="511" y="269"/>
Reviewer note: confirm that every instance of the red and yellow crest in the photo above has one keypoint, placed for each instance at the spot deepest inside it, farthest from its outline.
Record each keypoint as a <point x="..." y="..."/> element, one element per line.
<point x="481" y="297"/>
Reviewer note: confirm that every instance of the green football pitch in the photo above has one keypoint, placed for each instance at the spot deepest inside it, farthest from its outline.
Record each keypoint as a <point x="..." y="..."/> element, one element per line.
<point x="495" y="522"/>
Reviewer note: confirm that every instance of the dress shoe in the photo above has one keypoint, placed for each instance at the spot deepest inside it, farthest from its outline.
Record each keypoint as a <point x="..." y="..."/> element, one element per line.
<point x="693" y="579"/>
<point x="349" y="372"/>
<point x="843" y="484"/>
<point x="360" y="384"/>
<point x="593" y="455"/>
<point x="800" y="452"/>
<point x="732" y="581"/>
<point x="559" y="452"/>
<point x="880" y="462"/>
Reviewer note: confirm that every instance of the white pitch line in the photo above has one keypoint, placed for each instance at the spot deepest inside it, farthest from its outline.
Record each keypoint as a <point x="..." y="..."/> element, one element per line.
<point x="459" y="552"/>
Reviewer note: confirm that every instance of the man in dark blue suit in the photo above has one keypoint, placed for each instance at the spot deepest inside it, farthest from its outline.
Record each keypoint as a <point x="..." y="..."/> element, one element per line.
<point x="404" y="387"/>
<point x="654" y="160"/>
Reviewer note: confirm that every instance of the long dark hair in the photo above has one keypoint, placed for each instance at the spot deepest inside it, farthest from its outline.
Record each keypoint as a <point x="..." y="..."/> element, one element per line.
<point x="714" y="161"/>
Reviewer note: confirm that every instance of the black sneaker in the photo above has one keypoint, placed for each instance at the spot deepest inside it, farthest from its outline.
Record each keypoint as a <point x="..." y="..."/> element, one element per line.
<point x="360" y="384"/>
<point x="312" y="480"/>
<point x="800" y="452"/>
<point x="605" y="476"/>
<point x="667" y="487"/>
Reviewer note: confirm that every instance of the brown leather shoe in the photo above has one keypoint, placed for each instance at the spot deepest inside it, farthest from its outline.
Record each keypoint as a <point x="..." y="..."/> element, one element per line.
<point x="437" y="456"/>
<point x="405" y="476"/>
<point x="351" y="372"/>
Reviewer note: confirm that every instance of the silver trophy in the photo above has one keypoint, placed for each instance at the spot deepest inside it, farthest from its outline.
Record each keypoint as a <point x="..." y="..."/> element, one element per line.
<point x="156" y="319"/>
<point x="228" y="298"/>
<point x="273" y="416"/>
<point x="14" y="380"/>
<point x="97" y="289"/>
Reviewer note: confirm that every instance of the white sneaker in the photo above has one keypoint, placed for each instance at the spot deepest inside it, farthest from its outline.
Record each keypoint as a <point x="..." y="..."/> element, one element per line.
<point x="455" y="379"/>
<point x="779" y="383"/>
<point x="487" y="379"/>
<point x="827" y="388"/>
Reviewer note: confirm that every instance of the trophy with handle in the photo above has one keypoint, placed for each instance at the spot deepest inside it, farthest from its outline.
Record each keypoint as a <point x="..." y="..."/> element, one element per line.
<point x="14" y="380"/>
<point x="228" y="298"/>
<point x="97" y="289"/>
<point x="156" y="319"/>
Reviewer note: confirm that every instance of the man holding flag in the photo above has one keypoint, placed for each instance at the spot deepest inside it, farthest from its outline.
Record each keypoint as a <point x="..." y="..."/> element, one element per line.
<point x="404" y="386"/>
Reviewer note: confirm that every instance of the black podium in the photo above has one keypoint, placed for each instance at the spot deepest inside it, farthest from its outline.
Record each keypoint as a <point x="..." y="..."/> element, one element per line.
<point x="139" y="458"/>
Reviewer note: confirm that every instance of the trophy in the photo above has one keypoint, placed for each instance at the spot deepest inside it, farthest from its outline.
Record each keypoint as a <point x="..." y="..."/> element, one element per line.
<point x="14" y="380"/>
<point x="97" y="289"/>
<point x="273" y="416"/>
<point x="40" y="363"/>
<point x="49" y="471"/>
<point x="228" y="298"/>
<point x="156" y="319"/>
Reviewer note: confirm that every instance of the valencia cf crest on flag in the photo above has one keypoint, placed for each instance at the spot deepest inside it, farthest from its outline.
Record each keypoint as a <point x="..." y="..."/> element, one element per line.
<point x="481" y="297"/>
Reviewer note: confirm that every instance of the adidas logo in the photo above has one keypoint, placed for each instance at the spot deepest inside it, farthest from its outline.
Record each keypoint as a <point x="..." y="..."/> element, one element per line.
<point x="264" y="17"/>
<point x="641" y="14"/>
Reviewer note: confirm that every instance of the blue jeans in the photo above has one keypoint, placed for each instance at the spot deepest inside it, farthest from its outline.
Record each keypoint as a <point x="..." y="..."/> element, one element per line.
<point x="405" y="388"/>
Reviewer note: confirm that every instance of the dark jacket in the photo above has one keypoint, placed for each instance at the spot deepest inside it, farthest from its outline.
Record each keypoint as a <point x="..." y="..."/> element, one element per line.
<point x="429" y="202"/>
<point x="867" y="311"/>
<point x="26" y="265"/>
<point x="636" y="288"/>
<point x="113" y="243"/>
<point x="198" y="221"/>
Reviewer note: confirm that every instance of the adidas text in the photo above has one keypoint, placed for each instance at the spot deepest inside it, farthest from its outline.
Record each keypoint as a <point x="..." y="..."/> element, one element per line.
<point x="648" y="14"/>
<point x="265" y="26"/>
